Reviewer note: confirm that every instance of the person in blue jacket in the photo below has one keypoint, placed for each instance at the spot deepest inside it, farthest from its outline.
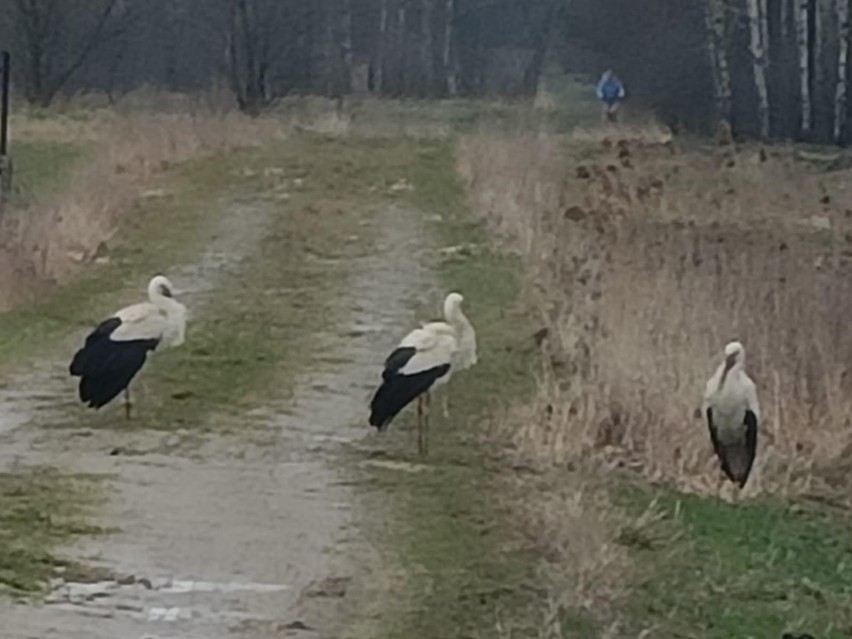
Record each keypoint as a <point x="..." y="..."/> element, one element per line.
<point x="610" y="93"/>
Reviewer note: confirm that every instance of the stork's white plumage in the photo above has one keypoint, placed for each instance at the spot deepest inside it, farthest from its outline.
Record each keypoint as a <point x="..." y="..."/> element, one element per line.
<point x="424" y="360"/>
<point x="730" y="402"/>
<point x="118" y="347"/>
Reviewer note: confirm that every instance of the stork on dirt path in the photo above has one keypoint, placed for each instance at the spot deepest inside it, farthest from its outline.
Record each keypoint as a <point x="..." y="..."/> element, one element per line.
<point x="424" y="360"/>
<point x="118" y="347"/>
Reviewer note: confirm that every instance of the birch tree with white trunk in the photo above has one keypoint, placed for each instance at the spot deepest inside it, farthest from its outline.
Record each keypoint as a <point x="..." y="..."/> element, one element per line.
<point x="758" y="31"/>
<point x="841" y="92"/>
<point x="802" y="19"/>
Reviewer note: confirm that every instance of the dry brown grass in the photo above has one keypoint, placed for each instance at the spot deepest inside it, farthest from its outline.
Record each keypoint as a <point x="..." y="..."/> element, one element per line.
<point x="58" y="234"/>
<point x="643" y="261"/>
<point x="576" y="531"/>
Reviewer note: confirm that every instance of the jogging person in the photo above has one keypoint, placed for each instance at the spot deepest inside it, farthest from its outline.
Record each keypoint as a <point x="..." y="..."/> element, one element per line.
<point x="610" y="93"/>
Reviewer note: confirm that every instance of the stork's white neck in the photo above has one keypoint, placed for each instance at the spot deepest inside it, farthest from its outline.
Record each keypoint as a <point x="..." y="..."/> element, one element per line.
<point x="166" y="304"/>
<point x="729" y="376"/>
<point x="465" y="334"/>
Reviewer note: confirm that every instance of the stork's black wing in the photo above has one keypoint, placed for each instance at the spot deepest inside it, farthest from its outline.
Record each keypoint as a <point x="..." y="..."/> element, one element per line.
<point x="750" y="422"/>
<point x="714" y="437"/>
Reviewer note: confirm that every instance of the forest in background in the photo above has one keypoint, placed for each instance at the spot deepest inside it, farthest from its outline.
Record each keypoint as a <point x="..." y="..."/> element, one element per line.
<point x="771" y="68"/>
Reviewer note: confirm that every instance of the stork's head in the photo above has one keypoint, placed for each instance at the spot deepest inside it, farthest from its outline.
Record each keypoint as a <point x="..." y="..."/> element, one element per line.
<point x="734" y="354"/>
<point x="160" y="286"/>
<point x="452" y="305"/>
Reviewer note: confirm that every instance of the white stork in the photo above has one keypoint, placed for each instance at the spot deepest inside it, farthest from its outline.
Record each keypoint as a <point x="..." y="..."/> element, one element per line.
<point x="424" y="359"/>
<point x="733" y="413"/>
<point x="116" y="350"/>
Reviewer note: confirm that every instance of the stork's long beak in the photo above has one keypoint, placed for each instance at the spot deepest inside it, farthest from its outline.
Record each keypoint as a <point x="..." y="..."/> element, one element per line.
<point x="730" y="360"/>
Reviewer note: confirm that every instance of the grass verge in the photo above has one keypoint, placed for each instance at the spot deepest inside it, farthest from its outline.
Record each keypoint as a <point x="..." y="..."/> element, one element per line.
<point x="707" y="568"/>
<point x="463" y="575"/>
<point x="40" y="509"/>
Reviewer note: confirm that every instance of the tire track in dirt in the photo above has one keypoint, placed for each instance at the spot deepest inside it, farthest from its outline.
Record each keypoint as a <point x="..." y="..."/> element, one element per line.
<point x="234" y="536"/>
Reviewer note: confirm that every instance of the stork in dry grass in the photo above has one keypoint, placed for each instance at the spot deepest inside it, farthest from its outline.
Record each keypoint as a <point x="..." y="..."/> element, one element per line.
<point x="424" y="360"/>
<point x="733" y="414"/>
<point x="118" y="347"/>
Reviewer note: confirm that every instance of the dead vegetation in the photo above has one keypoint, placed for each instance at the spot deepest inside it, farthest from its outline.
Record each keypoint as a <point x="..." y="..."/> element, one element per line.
<point x="52" y="237"/>
<point x="643" y="261"/>
<point x="644" y="255"/>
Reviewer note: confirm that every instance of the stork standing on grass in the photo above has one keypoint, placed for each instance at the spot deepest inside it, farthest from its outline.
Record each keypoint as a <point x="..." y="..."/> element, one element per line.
<point x="424" y="360"/>
<point x="733" y="413"/>
<point x="115" y="351"/>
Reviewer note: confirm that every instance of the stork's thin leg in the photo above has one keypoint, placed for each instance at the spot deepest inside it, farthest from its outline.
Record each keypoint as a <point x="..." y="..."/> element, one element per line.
<point x="427" y="401"/>
<point x="445" y="403"/>
<point x="127" y="403"/>
<point x="420" y="442"/>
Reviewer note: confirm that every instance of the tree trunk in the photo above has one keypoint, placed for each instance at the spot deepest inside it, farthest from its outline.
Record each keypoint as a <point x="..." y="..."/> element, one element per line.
<point x="532" y="75"/>
<point x="346" y="48"/>
<point x="173" y="36"/>
<point x="381" y="62"/>
<point x="802" y="28"/>
<point x="402" y="48"/>
<point x="764" y="31"/>
<point x="758" y="53"/>
<point x="247" y="68"/>
<point x="840" y="111"/>
<point x="426" y="44"/>
<point x="717" y="47"/>
<point x="447" y="60"/>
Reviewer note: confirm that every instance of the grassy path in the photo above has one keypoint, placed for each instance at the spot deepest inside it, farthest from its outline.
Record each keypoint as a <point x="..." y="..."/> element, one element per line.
<point x="245" y="469"/>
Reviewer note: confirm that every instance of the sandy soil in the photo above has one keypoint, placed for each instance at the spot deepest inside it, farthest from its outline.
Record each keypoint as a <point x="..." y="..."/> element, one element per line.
<point x="226" y="536"/>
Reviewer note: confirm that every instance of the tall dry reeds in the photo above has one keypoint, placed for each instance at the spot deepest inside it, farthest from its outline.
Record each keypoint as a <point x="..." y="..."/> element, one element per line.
<point x="643" y="261"/>
<point x="56" y="235"/>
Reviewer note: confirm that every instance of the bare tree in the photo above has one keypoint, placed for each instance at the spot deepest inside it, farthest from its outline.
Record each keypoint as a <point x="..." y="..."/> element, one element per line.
<point x="717" y="47"/>
<point x="447" y="59"/>
<point x="380" y="63"/>
<point x="401" y="47"/>
<point x="759" y="44"/>
<point x="255" y="42"/>
<point x="346" y="46"/>
<point x="426" y="45"/>
<point x="803" y="30"/>
<point x="57" y="37"/>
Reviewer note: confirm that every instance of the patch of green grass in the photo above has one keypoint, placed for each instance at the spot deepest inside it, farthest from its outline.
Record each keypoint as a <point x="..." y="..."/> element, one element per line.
<point x="40" y="509"/>
<point x="40" y="168"/>
<point x="754" y="569"/>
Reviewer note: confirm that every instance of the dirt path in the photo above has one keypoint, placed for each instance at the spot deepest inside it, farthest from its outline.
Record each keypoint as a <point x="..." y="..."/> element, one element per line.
<point x="226" y="535"/>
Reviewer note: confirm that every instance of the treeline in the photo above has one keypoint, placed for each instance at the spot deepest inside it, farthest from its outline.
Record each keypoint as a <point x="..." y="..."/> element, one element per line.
<point x="771" y="68"/>
<point x="264" y="49"/>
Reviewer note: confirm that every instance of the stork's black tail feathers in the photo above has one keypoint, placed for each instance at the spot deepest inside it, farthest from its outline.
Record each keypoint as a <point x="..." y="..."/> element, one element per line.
<point x="106" y="367"/>
<point x="398" y="390"/>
